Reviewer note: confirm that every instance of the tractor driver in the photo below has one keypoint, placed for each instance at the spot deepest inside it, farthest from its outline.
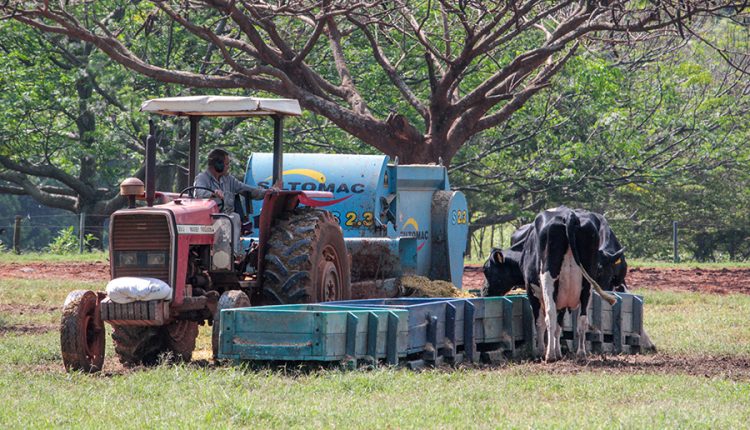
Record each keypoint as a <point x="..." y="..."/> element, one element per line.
<point x="225" y="187"/>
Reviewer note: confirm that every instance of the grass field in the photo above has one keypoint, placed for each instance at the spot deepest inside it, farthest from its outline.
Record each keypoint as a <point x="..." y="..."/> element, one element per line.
<point x="700" y="330"/>
<point x="28" y="257"/>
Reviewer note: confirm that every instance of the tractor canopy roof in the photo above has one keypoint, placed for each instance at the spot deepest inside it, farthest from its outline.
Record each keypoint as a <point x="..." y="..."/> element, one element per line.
<point x="221" y="106"/>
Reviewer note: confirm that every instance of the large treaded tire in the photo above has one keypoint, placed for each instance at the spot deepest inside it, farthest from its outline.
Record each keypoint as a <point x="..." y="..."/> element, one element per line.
<point x="306" y="260"/>
<point x="136" y="345"/>
<point x="180" y="339"/>
<point x="228" y="300"/>
<point x="81" y="336"/>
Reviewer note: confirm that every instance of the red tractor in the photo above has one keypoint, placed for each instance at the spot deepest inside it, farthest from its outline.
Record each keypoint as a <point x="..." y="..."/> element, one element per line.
<point x="186" y="243"/>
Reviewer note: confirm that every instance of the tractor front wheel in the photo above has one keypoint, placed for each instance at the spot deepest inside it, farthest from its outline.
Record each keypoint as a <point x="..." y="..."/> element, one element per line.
<point x="180" y="339"/>
<point x="137" y="345"/>
<point x="228" y="300"/>
<point x="82" y="333"/>
<point x="306" y="260"/>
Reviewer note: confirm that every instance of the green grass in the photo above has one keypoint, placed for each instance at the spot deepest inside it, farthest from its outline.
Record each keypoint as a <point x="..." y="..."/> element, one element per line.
<point x="694" y="323"/>
<point x="34" y="257"/>
<point x="44" y="292"/>
<point x="30" y="349"/>
<point x="190" y="397"/>
<point x="677" y="322"/>
<point x="37" y="393"/>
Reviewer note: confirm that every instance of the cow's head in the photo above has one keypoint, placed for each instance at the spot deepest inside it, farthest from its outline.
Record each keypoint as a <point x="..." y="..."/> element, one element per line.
<point x="501" y="274"/>
<point x="612" y="269"/>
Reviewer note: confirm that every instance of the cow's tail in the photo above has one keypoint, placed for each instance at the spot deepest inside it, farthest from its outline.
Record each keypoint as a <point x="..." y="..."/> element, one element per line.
<point x="572" y="224"/>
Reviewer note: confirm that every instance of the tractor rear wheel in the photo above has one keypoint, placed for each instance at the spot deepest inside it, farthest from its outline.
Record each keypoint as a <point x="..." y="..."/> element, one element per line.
<point x="306" y="260"/>
<point x="137" y="345"/>
<point x="81" y="335"/>
<point x="180" y="339"/>
<point x="228" y="300"/>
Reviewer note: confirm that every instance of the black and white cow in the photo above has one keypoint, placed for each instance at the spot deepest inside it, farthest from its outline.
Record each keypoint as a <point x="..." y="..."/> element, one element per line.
<point x="503" y="269"/>
<point x="611" y="266"/>
<point x="559" y="254"/>
<point x="555" y="256"/>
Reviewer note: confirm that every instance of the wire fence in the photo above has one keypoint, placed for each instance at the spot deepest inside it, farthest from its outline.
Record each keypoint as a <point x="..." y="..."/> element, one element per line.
<point x="665" y="240"/>
<point x="658" y="240"/>
<point x="38" y="232"/>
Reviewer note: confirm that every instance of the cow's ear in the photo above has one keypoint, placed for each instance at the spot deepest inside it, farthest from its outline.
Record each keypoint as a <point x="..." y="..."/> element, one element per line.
<point x="497" y="256"/>
<point x="616" y="258"/>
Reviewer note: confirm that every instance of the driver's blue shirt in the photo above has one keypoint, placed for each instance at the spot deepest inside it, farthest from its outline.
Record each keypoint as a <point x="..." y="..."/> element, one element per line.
<point x="229" y="185"/>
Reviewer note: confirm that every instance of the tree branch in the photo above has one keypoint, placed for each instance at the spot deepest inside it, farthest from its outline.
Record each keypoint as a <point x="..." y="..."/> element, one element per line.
<point x="56" y="201"/>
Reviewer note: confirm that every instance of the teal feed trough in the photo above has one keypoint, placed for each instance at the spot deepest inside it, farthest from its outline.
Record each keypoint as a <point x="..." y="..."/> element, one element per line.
<point x="313" y="333"/>
<point x="426" y="330"/>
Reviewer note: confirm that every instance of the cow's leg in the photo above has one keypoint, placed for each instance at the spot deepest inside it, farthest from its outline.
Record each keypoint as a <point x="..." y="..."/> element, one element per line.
<point x="553" y="338"/>
<point x="534" y="293"/>
<point x="583" y="320"/>
<point x="560" y="320"/>
<point x="541" y="329"/>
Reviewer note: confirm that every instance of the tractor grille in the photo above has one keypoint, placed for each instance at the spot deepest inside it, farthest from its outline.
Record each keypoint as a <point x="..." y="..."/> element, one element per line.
<point x="141" y="246"/>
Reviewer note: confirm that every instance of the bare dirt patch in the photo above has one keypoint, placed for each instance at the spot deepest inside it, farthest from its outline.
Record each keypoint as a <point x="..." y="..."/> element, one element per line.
<point x="729" y="367"/>
<point x="21" y="309"/>
<point x="706" y="366"/>
<point x="716" y="281"/>
<point x="96" y="271"/>
<point x="25" y="329"/>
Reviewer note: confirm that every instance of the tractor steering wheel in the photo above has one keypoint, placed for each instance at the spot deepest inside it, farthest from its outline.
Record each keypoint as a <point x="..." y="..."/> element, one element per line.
<point x="190" y="190"/>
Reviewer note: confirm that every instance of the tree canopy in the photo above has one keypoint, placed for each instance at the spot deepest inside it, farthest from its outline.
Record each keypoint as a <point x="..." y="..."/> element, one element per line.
<point x="634" y="109"/>
<point x="443" y="71"/>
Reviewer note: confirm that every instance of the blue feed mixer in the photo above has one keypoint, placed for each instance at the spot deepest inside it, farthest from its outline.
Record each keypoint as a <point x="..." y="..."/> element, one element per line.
<point x="397" y="219"/>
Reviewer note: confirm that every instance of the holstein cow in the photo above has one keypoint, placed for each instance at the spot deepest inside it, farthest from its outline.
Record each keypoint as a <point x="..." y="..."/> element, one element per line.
<point x="503" y="268"/>
<point x="557" y="256"/>
<point x="502" y="271"/>
<point x="611" y="266"/>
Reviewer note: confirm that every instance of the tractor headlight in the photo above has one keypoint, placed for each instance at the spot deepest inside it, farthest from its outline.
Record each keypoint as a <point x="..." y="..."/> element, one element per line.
<point x="141" y="258"/>
<point x="156" y="259"/>
<point x="128" y="258"/>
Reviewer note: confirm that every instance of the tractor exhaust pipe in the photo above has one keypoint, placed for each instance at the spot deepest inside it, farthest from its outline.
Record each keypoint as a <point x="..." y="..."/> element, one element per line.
<point x="278" y="152"/>
<point x="150" y="164"/>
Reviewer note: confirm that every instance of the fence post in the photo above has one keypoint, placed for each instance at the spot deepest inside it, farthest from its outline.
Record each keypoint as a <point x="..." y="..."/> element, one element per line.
<point x="17" y="235"/>
<point x="675" y="242"/>
<point x="81" y="232"/>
